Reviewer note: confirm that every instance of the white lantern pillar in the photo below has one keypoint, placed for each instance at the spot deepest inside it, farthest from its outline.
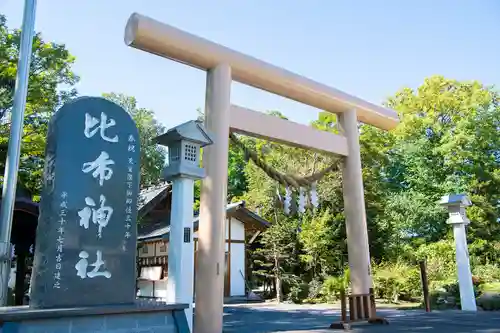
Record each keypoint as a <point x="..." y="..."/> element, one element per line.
<point x="184" y="143"/>
<point x="456" y="205"/>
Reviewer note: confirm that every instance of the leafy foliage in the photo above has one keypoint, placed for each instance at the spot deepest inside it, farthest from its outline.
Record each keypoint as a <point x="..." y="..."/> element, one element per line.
<point x="318" y="235"/>
<point x="447" y="142"/>
<point x="333" y="286"/>
<point x="394" y="282"/>
<point x="152" y="155"/>
<point x="276" y="258"/>
<point x="51" y="83"/>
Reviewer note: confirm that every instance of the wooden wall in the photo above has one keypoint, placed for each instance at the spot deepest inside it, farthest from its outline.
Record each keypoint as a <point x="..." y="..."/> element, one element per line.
<point x="156" y="253"/>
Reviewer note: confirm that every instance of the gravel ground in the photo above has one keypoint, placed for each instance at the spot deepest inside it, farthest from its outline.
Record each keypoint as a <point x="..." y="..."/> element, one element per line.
<point x="317" y="318"/>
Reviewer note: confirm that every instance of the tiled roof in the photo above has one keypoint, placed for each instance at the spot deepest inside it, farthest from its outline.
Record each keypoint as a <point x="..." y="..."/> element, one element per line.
<point x="156" y="231"/>
<point x="161" y="229"/>
<point x="150" y="196"/>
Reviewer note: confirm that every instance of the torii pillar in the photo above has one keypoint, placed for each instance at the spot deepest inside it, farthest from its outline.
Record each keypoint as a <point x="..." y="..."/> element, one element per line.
<point x="354" y="207"/>
<point x="209" y="283"/>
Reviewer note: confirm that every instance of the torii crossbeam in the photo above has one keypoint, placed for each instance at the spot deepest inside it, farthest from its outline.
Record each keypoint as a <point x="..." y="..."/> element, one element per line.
<point x="224" y="65"/>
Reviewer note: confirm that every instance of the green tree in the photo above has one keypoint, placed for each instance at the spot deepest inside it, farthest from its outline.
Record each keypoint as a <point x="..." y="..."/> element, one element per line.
<point x="236" y="179"/>
<point x="275" y="259"/>
<point x="323" y="253"/>
<point x="152" y="155"/>
<point x="447" y="142"/>
<point x="51" y="83"/>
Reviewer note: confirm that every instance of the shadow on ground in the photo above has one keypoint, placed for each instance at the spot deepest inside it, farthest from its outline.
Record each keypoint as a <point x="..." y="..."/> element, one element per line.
<point x="293" y="318"/>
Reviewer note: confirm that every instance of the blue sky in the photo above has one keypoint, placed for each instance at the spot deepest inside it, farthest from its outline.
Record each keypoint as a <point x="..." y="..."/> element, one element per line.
<point x="367" y="48"/>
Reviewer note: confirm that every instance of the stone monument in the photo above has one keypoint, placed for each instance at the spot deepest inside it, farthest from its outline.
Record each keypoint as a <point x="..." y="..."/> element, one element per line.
<point x="84" y="271"/>
<point x="86" y="237"/>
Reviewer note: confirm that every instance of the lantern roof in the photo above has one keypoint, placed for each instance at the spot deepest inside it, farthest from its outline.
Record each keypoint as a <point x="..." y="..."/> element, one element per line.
<point x="455" y="199"/>
<point x="192" y="131"/>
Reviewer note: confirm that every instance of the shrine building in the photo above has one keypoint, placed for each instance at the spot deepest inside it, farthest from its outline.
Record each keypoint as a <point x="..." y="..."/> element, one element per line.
<point x="242" y="228"/>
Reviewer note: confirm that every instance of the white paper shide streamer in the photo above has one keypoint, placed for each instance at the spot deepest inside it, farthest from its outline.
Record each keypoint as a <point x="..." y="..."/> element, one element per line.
<point x="301" y="201"/>
<point x="288" y="201"/>
<point x="314" y="195"/>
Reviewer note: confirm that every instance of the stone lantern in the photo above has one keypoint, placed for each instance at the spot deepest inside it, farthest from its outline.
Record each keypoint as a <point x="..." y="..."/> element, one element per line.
<point x="456" y="205"/>
<point x="184" y="143"/>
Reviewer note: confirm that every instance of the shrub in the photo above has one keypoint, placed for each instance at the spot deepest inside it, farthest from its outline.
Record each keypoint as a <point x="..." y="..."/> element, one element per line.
<point x="333" y="285"/>
<point x="492" y="287"/>
<point x="442" y="299"/>
<point x="447" y="294"/>
<point x="484" y="252"/>
<point x="487" y="273"/>
<point x="395" y="282"/>
<point x="440" y="257"/>
<point x="477" y="281"/>
<point x="490" y="296"/>
<point x="298" y="292"/>
<point x="442" y="285"/>
<point x="315" y="290"/>
<point x="489" y="303"/>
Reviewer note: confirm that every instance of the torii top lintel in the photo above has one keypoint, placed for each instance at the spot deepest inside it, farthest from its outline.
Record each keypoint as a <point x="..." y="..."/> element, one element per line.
<point x="155" y="37"/>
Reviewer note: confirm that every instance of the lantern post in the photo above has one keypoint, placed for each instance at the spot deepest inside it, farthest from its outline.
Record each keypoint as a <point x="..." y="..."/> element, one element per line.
<point x="184" y="143"/>
<point x="456" y="204"/>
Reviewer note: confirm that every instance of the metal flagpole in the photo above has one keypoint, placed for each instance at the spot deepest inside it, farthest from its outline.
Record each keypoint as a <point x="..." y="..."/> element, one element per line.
<point x="16" y="132"/>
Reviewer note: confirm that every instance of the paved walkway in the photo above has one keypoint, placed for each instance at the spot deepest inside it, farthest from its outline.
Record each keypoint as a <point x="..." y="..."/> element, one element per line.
<point x="317" y="318"/>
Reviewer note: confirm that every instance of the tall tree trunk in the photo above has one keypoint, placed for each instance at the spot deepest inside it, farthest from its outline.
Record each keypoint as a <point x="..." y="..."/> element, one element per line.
<point x="279" y="296"/>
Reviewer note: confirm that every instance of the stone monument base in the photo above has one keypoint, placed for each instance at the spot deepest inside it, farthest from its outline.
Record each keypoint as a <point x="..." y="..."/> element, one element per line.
<point x="140" y="317"/>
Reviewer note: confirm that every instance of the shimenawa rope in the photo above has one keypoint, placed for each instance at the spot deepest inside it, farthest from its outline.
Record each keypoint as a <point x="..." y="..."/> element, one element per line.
<point x="284" y="179"/>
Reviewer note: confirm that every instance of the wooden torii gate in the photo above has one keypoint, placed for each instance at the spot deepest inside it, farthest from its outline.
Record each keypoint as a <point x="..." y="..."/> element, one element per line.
<point x="222" y="66"/>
